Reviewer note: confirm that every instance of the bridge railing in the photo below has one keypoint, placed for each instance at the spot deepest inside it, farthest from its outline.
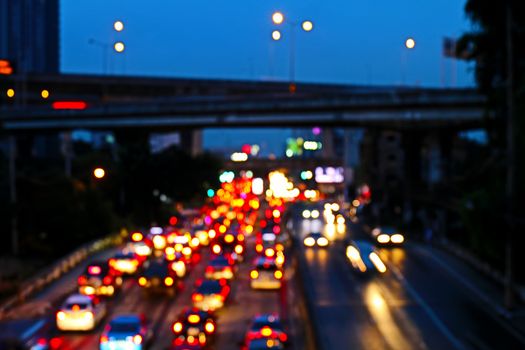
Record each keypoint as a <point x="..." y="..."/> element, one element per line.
<point x="59" y="268"/>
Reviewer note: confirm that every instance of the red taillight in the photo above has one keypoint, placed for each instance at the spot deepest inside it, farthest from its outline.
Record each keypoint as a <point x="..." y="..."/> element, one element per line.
<point x="209" y="269"/>
<point x="104" y="339"/>
<point x="42" y="342"/>
<point x="82" y="280"/>
<point x="197" y="297"/>
<point x="107" y="280"/>
<point x="283" y="337"/>
<point x="55" y="343"/>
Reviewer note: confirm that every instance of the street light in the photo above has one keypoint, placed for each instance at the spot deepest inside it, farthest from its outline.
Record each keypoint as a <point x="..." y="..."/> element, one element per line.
<point x="306" y="25"/>
<point x="118" y="26"/>
<point x="119" y="46"/>
<point x="410" y="43"/>
<point x="10" y="93"/>
<point x="44" y="94"/>
<point x="278" y="18"/>
<point x="99" y="173"/>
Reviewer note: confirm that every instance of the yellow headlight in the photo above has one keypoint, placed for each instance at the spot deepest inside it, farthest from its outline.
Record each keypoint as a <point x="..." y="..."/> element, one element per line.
<point x="397" y="238"/>
<point x="309" y="241"/>
<point x="382" y="238"/>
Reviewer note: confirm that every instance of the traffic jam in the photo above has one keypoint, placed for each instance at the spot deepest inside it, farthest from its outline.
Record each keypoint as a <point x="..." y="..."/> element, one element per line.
<point x="235" y="228"/>
<point x="216" y="277"/>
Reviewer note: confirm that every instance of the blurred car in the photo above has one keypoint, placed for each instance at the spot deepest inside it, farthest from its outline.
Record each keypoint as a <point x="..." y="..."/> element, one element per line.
<point x="126" y="332"/>
<point x="28" y="334"/>
<point x="182" y="344"/>
<point x="387" y="236"/>
<point x="195" y="325"/>
<point x="364" y="257"/>
<point x="315" y="239"/>
<point x="266" y="274"/>
<point x="231" y="245"/>
<point x="219" y="267"/>
<point x="179" y="266"/>
<point x="125" y="263"/>
<point x="99" y="279"/>
<point x="210" y="294"/>
<point x="202" y="235"/>
<point x="266" y="326"/>
<point x="158" y="277"/>
<point x="141" y="249"/>
<point x="263" y="343"/>
<point x="80" y="313"/>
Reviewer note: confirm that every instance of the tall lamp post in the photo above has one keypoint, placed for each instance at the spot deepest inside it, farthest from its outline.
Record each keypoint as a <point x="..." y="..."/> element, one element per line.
<point x="118" y="46"/>
<point x="306" y="25"/>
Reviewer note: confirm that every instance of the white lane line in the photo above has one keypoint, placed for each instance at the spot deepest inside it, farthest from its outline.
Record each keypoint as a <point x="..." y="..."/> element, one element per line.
<point x="480" y="294"/>
<point x="428" y="310"/>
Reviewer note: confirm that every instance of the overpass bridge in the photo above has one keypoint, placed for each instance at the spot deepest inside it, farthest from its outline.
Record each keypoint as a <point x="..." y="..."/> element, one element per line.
<point x="163" y="103"/>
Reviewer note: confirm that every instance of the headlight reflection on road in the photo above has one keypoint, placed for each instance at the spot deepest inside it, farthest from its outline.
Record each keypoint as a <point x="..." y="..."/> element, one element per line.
<point x="382" y="315"/>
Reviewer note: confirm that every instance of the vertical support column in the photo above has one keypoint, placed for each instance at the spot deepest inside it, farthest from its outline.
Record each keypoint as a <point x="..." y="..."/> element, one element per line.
<point x="196" y="142"/>
<point x="67" y="152"/>
<point x="328" y="143"/>
<point x="13" y="195"/>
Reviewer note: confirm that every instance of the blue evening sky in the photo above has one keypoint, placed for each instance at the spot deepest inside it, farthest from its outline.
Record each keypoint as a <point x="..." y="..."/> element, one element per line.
<point x="353" y="42"/>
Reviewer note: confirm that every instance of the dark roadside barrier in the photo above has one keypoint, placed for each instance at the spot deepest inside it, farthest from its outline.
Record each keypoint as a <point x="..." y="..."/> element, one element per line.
<point x="312" y="323"/>
<point x="56" y="270"/>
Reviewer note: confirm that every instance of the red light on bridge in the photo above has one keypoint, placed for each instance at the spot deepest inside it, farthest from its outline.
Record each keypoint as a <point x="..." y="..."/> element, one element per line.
<point x="5" y="67"/>
<point x="69" y="105"/>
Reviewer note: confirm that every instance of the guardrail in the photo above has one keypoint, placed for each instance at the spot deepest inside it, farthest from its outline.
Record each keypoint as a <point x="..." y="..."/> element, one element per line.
<point x="51" y="273"/>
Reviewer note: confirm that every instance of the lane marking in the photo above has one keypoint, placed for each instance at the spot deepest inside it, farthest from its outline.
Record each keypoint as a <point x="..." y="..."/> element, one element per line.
<point x="428" y="310"/>
<point x="480" y="294"/>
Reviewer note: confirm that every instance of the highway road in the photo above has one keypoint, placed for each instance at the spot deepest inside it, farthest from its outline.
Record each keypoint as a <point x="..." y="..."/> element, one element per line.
<point x="233" y="319"/>
<point x="426" y="300"/>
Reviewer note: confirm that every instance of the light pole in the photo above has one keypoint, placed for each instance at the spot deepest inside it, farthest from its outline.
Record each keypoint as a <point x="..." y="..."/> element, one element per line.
<point x="118" y="46"/>
<point x="278" y="19"/>
<point x="410" y="44"/>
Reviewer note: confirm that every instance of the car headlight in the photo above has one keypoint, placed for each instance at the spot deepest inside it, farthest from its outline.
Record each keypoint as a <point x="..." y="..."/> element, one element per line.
<point x="322" y="242"/>
<point x="383" y="238"/>
<point x="309" y="241"/>
<point x="397" y="238"/>
<point x="378" y="263"/>
<point x="306" y="214"/>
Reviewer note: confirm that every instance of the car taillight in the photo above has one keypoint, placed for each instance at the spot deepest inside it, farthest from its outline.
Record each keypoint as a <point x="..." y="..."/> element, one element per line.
<point x="209" y="327"/>
<point x="266" y="331"/>
<point x="55" y="343"/>
<point x="137" y="339"/>
<point x="104" y="339"/>
<point x="177" y="327"/>
<point x="283" y="337"/>
<point x="238" y="249"/>
<point x="112" y="262"/>
<point x="82" y="280"/>
<point x="254" y="274"/>
<point x="197" y="297"/>
<point x="61" y="315"/>
<point x="168" y="281"/>
<point x="259" y="248"/>
<point x="227" y="269"/>
<point x="278" y="274"/>
<point x="142" y="281"/>
<point x="42" y="342"/>
<point x="209" y="269"/>
<point x="107" y="280"/>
